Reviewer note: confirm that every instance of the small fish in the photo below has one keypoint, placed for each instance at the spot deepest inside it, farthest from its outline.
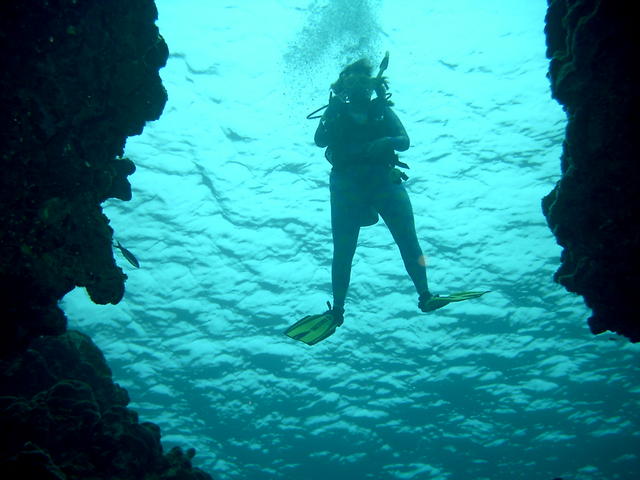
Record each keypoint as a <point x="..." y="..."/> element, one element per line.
<point x="128" y="255"/>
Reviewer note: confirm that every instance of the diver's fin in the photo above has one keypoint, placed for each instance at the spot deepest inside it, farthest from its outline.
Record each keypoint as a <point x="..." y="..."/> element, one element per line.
<point x="436" y="301"/>
<point x="314" y="328"/>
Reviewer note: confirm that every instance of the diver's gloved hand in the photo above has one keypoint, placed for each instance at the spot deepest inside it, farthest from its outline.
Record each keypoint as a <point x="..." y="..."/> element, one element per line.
<point x="380" y="148"/>
<point x="336" y="105"/>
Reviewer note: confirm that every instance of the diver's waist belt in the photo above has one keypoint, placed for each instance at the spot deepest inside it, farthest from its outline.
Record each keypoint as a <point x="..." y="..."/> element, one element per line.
<point x="364" y="171"/>
<point x="343" y="161"/>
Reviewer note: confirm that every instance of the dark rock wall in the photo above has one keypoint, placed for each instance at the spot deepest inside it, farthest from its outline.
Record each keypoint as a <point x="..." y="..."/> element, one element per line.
<point x="78" y="77"/>
<point x="594" y="210"/>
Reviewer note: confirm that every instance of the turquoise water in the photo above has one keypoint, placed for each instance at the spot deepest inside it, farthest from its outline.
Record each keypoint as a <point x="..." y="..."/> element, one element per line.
<point x="230" y="221"/>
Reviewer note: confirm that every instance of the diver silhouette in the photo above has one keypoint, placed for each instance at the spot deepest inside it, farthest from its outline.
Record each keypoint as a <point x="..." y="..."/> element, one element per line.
<point x="361" y="136"/>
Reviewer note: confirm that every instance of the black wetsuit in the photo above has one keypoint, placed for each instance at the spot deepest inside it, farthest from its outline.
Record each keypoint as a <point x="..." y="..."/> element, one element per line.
<point x="362" y="186"/>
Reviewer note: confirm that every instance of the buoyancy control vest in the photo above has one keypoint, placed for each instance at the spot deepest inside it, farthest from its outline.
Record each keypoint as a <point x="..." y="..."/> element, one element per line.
<point x="348" y="139"/>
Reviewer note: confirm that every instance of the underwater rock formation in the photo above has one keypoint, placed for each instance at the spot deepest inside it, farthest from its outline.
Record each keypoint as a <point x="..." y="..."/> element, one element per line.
<point x="79" y="76"/>
<point x="61" y="416"/>
<point x="594" y="210"/>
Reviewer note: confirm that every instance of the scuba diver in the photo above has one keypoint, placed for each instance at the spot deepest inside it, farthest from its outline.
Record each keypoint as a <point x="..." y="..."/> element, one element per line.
<point x="362" y="136"/>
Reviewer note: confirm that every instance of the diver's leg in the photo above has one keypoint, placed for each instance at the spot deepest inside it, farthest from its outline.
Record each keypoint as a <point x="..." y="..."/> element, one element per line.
<point x="344" y="247"/>
<point x="345" y="228"/>
<point x="395" y="208"/>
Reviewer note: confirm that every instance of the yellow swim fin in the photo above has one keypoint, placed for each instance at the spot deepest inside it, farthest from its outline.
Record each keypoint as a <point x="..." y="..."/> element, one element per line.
<point x="434" y="302"/>
<point x="314" y="328"/>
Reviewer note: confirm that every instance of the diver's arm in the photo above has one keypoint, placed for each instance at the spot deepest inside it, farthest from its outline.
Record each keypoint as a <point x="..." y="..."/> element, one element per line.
<point x="327" y="126"/>
<point x="398" y="137"/>
<point x="322" y="135"/>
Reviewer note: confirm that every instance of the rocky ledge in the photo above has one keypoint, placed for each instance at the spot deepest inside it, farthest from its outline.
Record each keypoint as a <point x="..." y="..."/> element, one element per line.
<point x="79" y="77"/>
<point x="594" y="210"/>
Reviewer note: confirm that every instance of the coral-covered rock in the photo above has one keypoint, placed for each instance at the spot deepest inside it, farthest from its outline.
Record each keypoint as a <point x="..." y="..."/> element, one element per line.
<point x="31" y="462"/>
<point x="594" y="210"/>
<point x="78" y="77"/>
<point x="48" y="360"/>
<point x="61" y="416"/>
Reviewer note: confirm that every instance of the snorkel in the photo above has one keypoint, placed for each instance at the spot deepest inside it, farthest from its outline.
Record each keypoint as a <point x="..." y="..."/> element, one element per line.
<point x="381" y="82"/>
